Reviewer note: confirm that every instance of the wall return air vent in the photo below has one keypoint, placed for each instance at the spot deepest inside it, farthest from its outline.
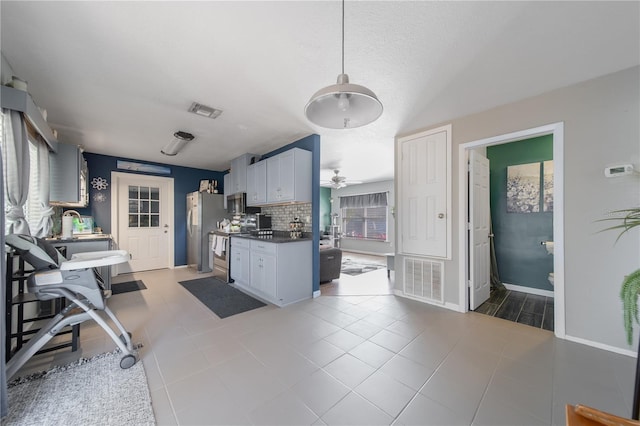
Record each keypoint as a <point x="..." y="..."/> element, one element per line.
<point x="423" y="279"/>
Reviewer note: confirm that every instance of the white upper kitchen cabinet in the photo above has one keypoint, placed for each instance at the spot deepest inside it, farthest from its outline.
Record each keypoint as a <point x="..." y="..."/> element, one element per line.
<point x="289" y="177"/>
<point x="68" y="176"/>
<point x="227" y="182"/>
<point x="239" y="172"/>
<point x="257" y="183"/>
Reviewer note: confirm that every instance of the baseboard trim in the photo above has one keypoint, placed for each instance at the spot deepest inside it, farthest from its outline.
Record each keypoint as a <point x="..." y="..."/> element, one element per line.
<point x="602" y="346"/>
<point x="446" y="305"/>
<point x="316" y="294"/>
<point x="523" y="289"/>
<point x="453" y="307"/>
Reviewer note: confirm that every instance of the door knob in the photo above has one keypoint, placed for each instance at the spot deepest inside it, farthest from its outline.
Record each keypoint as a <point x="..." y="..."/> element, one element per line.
<point x="166" y="226"/>
<point x="440" y="215"/>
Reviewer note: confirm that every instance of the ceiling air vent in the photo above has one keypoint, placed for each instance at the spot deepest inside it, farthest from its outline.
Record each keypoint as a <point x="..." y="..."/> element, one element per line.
<point x="204" y="110"/>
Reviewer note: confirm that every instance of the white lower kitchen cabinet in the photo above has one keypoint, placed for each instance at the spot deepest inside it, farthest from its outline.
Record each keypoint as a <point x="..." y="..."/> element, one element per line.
<point x="264" y="271"/>
<point x="279" y="273"/>
<point x="239" y="268"/>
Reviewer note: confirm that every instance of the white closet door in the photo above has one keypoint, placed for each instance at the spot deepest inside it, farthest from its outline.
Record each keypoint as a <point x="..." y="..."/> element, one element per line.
<point x="424" y="194"/>
<point x="479" y="225"/>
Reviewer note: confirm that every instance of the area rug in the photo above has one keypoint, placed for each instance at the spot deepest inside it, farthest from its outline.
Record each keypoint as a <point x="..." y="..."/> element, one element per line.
<point x="127" y="286"/>
<point x="352" y="267"/>
<point x="223" y="299"/>
<point x="94" y="391"/>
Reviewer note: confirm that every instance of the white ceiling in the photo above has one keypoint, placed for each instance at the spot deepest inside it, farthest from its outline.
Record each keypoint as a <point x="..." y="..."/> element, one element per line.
<point x="118" y="77"/>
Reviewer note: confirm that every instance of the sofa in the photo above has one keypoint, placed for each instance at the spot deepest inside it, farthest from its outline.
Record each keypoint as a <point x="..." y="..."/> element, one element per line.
<point x="330" y="263"/>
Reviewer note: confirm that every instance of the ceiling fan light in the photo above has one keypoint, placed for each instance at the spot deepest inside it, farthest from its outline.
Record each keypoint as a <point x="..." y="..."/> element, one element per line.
<point x="343" y="105"/>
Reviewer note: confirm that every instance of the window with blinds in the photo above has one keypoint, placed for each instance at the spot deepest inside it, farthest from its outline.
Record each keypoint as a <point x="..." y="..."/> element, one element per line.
<point x="32" y="207"/>
<point x="365" y="223"/>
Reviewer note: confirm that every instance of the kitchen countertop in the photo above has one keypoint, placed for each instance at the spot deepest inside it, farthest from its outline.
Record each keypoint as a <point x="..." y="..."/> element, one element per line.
<point x="81" y="237"/>
<point x="278" y="237"/>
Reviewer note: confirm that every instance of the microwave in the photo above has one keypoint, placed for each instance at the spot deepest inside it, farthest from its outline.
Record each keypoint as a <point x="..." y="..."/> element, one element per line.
<point x="237" y="203"/>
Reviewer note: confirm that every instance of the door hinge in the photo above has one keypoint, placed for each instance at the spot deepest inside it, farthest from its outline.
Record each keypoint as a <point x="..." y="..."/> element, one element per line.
<point x="468" y="225"/>
<point x="469" y="283"/>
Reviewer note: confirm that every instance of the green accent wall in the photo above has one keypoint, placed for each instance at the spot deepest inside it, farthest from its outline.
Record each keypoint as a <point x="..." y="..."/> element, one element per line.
<point x="521" y="259"/>
<point x="325" y="208"/>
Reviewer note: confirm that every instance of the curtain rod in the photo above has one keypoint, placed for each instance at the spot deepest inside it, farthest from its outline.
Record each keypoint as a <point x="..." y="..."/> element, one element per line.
<point x="365" y="193"/>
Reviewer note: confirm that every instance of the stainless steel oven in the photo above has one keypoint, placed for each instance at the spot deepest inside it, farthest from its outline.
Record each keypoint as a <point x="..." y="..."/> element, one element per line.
<point x="219" y="255"/>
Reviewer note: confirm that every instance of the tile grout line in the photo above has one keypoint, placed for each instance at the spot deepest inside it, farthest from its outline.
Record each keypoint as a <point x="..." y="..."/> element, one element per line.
<point x="501" y="303"/>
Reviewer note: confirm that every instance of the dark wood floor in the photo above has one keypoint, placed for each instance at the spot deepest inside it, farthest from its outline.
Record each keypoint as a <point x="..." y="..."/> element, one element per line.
<point x="524" y="308"/>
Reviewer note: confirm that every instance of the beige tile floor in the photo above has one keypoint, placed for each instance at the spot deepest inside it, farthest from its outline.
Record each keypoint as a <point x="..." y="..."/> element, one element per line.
<point x="350" y="360"/>
<point x="372" y="283"/>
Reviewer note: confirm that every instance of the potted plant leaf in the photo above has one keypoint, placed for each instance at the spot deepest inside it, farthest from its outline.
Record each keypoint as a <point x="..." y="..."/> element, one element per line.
<point x="627" y="220"/>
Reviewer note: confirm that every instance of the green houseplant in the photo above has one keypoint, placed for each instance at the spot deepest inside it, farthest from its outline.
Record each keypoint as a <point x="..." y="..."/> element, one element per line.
<point x="628" y="219"/>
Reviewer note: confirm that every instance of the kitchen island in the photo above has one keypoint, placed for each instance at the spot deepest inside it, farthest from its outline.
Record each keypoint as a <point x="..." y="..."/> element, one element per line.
<point x="277" y="269"/>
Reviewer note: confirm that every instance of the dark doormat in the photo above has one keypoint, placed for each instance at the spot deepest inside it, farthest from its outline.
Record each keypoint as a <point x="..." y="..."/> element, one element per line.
<point x="127" y="286"/>
<point x="220" y="297"/>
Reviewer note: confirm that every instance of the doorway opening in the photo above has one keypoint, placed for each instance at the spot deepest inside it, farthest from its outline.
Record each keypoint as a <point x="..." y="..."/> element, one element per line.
<point x="361" y="275"/>
<point x="476" y="235"/>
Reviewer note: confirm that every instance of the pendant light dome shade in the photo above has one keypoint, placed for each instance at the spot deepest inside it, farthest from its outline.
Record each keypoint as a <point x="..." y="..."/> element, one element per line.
<point x="343" y="105"/>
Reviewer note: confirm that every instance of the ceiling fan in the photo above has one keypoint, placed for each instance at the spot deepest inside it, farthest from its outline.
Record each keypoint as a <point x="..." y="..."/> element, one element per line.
<point x="337" y="181"/>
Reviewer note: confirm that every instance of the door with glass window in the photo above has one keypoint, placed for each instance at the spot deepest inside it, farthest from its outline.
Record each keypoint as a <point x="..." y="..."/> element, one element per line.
<point x="143" y="222"/>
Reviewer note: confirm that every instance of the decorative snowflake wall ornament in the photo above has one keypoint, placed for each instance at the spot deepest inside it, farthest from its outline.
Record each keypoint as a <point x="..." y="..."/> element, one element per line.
<point x="99" y="197"/>
<point x="99" y="183"/>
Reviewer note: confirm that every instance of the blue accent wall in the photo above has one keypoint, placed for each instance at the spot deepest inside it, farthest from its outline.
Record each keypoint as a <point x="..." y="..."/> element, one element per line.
<point x="521" y="259"/>
<point x="185" y="180"/>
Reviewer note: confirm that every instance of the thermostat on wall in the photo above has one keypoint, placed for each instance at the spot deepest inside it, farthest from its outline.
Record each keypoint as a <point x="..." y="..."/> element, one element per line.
<point x="621" y="170"/>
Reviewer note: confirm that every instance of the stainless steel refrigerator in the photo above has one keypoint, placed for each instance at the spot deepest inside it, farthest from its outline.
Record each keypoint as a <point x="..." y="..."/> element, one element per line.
<point x="203" y="211"/>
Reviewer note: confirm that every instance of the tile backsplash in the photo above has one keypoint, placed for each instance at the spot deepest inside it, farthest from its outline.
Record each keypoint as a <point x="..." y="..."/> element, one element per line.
<point x="282" y="215"/>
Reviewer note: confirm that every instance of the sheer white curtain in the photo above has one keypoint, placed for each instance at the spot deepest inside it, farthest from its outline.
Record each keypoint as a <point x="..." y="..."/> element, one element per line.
<point x="15" y="157"/>
<point x="4" y="403"/>
<point x="45" y="221"/>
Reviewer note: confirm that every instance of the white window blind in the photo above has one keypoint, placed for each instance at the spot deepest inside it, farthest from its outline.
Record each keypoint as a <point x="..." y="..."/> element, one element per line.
<point x="365" y="216"/>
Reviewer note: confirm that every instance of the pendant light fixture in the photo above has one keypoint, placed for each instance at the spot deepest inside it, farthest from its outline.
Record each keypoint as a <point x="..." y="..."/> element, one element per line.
<point x="178" y="142"/>
<point x="343" y="105"/>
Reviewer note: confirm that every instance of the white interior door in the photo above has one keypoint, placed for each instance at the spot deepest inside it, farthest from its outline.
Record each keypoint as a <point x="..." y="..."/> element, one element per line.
<point x="479" y="229"/>
<point x="424" y="184"/>
<point x="144" y="221"/>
